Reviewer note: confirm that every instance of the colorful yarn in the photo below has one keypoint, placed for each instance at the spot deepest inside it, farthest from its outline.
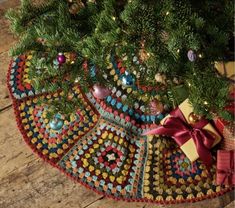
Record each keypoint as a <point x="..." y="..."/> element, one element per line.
<point x="100" y="145"/>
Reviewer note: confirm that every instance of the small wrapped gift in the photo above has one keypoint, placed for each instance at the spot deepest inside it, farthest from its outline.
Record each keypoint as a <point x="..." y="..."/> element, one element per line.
<point x="226" y="69"/>
<point x="225" y="173"/>
<point x="227" y="128"/>
<point x="195" y="136"/>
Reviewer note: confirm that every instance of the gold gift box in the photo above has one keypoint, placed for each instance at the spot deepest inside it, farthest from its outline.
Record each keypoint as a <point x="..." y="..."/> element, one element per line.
<point x="189" y="147"/>
<point x="226" y="68"/>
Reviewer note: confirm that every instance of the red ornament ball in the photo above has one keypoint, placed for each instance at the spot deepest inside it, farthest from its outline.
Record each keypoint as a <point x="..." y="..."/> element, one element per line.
<point x="100" y="92"/>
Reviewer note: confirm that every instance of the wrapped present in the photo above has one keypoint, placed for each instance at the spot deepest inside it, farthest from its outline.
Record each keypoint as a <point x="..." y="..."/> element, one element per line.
<point x="225" y="173"/>
<point x="226" y="69"/>
<point x="195" y="135"/>
<point x="227" y="128"/>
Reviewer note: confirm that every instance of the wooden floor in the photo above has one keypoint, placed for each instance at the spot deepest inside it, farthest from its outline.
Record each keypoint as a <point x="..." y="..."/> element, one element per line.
<point x="28" y="182"/>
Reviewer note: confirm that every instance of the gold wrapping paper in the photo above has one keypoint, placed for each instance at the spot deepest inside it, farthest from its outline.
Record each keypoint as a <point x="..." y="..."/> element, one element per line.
<point x="226" y="68"/>
<point x="189" y="147"/>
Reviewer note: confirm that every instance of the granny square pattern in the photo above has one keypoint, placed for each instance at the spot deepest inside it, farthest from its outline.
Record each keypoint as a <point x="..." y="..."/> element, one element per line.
<point x="101" y="146"/>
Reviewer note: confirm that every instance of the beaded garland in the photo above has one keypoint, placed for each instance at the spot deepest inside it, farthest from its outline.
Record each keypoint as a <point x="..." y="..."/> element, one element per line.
<point x="101" y="146"/>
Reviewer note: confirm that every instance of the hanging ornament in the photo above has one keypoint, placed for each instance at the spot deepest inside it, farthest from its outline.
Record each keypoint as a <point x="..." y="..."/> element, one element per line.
<point x="160" y="78"/>
<point x="61" y="58"/>
<point x="56" y="123"/>
<point x="76" y="6"/>
<point x="191" y="55"/>
<point x="70" y="96"/>
<point x="143" y="54"/>
<point x="128" y="79"/>
<point x="41" y="40"/>
<point x="93" y="71"/>
<point x="56" y="64"/>
<point x="194" y="118"/>
<point x="156" y="107"/>
<point x="70" y="57"/>
<point x="176" y="80"/>
<point x="100" y="92"/>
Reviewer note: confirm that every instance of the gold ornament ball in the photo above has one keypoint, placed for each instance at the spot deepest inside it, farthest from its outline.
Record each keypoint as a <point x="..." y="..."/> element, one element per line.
<point x="75" y="7"/>
<point x="160" y="78"/>
<point x="70" y="57"/>
<point x="144" y="55"/>
<point x="70" y="97"/>
<point x="193" y="118"/>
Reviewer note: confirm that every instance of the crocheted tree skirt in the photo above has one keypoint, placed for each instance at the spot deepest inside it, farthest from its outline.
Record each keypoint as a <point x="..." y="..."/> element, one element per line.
<point x="101" y="146"/>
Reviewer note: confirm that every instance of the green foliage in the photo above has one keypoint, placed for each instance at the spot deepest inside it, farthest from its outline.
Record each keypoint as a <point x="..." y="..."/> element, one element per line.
<point x="164" y="30"/>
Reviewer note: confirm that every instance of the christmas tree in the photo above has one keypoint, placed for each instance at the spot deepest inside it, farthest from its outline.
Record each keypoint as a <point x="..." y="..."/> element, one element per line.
<point x="157" y="52"/>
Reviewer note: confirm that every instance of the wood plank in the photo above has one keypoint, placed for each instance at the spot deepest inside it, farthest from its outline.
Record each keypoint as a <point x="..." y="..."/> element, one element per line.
<point x="4" y="94"/>
<point x="7" y="40"/>
<point x="27" y="181"/>
<point x="218" y="202"/>
<point x="231" y="205"/>
<point x="110" y="203"/>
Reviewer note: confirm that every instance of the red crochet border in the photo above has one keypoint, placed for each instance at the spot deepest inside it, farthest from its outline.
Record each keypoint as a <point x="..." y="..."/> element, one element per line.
<point x="20" y="126"/>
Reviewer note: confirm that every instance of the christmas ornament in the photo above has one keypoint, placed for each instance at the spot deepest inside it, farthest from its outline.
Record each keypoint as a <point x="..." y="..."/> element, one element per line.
<point x="128" y="79"/>
<point x="176" y="80"/>
<point x="56" y="123"/>
<point x="100" y="92"/>
<point x="176" y="126"/>
<point x="160" y="78"/>
<point x="41" y="40"/>
<point x="193" y="118"/>
<point x="61" y="58"/>
<point x="76" y="6"/>
<point x="70" y="57"/>
<point x="156" y="107"/>
<point x="70" y="97"/>
<point x="93" y="71"/>
<point x="191" y="55"/>
<point x="56" y="64"/>
<point x="144" y="55"/>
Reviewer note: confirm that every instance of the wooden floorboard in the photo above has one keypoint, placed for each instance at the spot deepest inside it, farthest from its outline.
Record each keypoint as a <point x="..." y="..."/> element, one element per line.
<point x="28" y="182"/>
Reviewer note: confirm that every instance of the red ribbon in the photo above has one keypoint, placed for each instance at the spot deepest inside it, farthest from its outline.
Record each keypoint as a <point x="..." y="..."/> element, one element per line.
<point x="177" y="127"/>
<point x="229" y="172"/>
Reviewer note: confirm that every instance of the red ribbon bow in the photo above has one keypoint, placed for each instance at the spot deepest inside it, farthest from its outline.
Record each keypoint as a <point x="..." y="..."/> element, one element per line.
<point x="177" y="127"/>
<point x="229" y="172"/>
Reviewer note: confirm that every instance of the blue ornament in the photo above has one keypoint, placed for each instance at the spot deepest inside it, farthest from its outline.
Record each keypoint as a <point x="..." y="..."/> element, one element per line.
<point x="93" y="71"/>
<point x="191" y="55"/>
<point x="56" y="64"/>
<point x="128" y="79"/>
<point x="56" y="123"/>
